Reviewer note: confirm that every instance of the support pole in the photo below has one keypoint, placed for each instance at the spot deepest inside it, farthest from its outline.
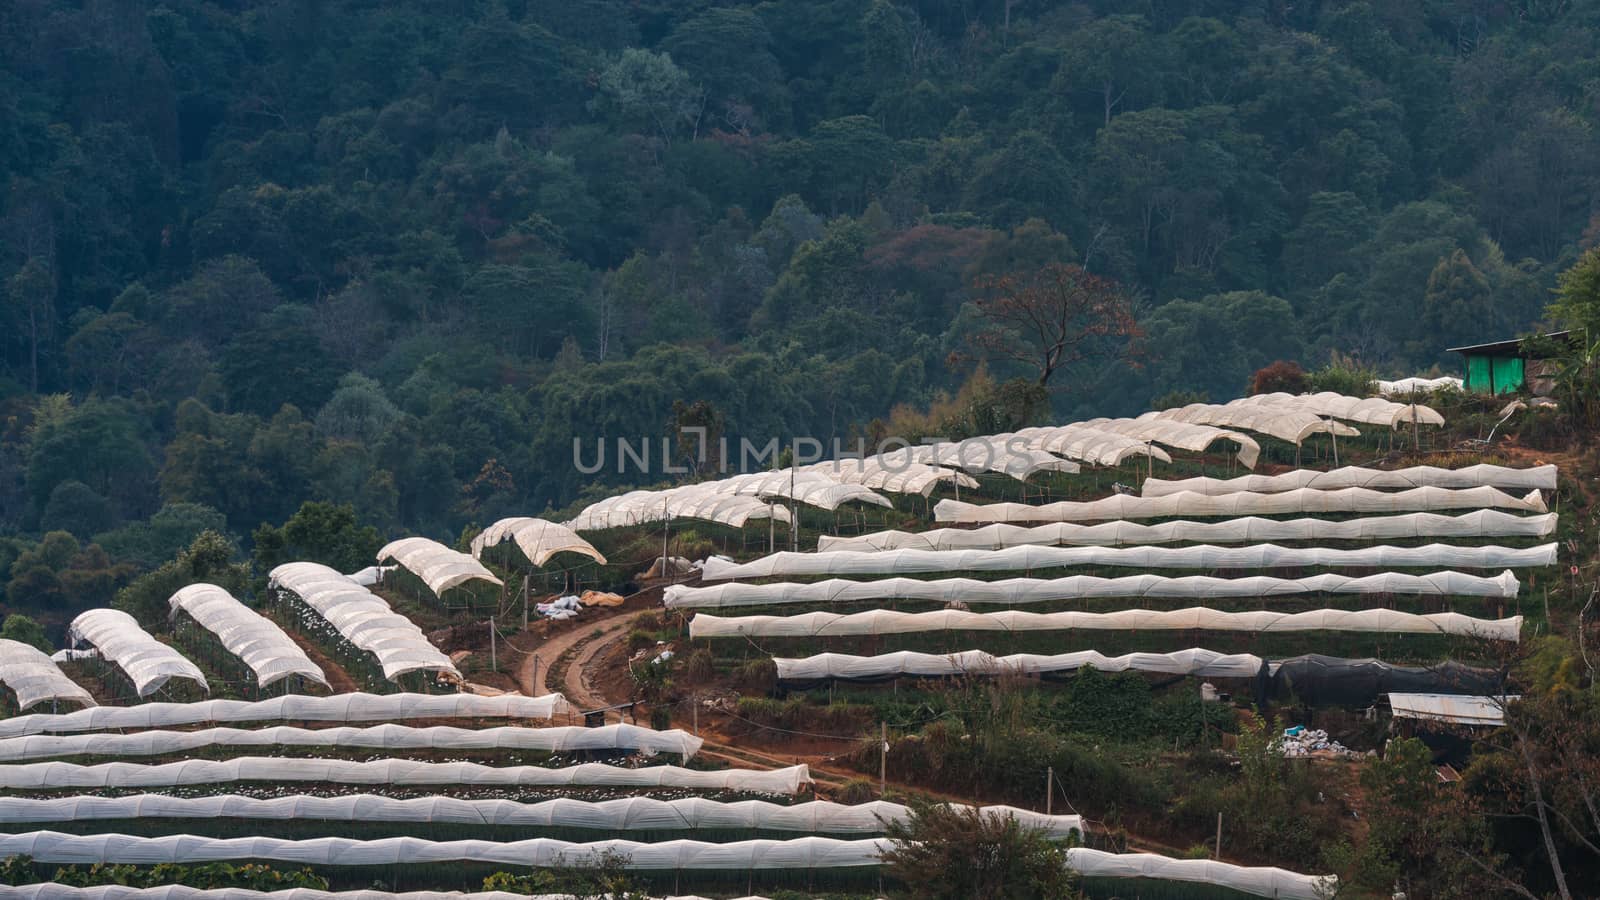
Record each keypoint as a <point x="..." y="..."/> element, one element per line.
<point x="883" y="759"/>
<point x="1217" y="853"/>
<point x="696" y="702"/>
<point x="1049" y="790"/>
<point x="494" y="658"/>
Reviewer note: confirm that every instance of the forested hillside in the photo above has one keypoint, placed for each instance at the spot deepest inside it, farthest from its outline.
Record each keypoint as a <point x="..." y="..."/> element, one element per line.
<point x="399" y="254"/>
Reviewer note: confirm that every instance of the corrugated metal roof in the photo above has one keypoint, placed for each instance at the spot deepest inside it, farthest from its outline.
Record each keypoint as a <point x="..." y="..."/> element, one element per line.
<point x="1450" y="708"/>
<point x="1512" y="347"/>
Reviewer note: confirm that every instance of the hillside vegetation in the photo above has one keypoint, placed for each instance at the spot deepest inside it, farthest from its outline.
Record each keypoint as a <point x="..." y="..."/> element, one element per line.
<point x="395" y="256"/>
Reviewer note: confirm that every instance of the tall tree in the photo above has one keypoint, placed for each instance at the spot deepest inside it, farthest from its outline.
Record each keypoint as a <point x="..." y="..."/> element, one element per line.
<point x="1053" y="319"/>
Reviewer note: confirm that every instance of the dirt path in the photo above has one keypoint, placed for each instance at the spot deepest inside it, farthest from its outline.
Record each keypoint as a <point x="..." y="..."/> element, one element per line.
<point x="338" y="679"/>
<point x="581" y="641"/>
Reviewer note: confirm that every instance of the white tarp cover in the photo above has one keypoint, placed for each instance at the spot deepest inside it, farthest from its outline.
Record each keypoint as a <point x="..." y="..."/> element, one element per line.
<point x="358" y="707"/>
<point x="559" y="739"/>
<point x="645" y="507"/>
<point x="1180" y="435"/>
<point x="1262" y="881"/>
<point x="1003" y="453"/>
<point x="1480" y="523"/>
<point x="1072" y="587"/>
<point x="798" y="853"/>
<point x="440" y="567"/>
<point x="1201" y="556"/>
<point x="1368" y="411"/>
<point x="1481" y="475"/>
<point x="883" y="621"/>
<point x="1417" y="385"/>
<point x="808" y="487"/>
<point x="905" y="478"/>
<point x="1304" y="500"/>
<point x="1284" y="423"/>
<point x="623" y="814"/>
<point x="396" y="772"/>
<point x="538" y="539"/>
<point x="364" y="618"/>
<point x="1090" y="445"/>
<point x="52" y="890"/>
<point x="845" y="667"/>
<point x="1451" y="708"/>
<point x="255" y="639"/>
<point x="147" y="662"/>
<point x="35" y="678"/>
<point x="795" y="853"/>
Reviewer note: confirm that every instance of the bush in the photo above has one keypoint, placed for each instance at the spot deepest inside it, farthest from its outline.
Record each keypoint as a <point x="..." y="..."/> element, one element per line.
<point x="700" y="667"/>
<point x="758" y="676"/>
<point x="857" y="791"/>
<point x="661" y="718"/>
<point x="1344" y="375"/>
<point x="1283" y="376"/>
<point x="1176" y="399"/>
<point x="946" y="851"/>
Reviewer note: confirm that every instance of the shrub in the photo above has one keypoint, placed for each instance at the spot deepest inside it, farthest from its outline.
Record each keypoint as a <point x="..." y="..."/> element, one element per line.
<point x="1175" y="399"/>
<point x="1283" y="376"/>
<point x="700" y="667"/>
<point x="856" y="791"/>
<point x="946" y="851"/>
<point x="758" y="676"/>
<point x="661" y="718"/>
<point x="1343" y="375"/>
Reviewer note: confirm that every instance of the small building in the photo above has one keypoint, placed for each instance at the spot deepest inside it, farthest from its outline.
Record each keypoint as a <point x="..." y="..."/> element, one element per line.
<point x="1504" y="366"/>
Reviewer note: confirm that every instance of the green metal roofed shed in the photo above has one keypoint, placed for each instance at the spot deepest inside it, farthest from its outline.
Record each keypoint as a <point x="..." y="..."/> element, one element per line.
<point x="1503" y="366"/>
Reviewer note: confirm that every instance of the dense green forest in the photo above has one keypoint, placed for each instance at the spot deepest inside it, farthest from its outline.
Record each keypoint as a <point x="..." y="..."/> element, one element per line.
<point x="399" y="254"/>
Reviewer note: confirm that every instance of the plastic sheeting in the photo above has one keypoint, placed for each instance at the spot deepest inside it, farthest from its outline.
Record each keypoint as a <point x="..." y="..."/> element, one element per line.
<point x="1481" y="523"/>
<point x="645" y="507"/>
<point x="1180" y="435"/>
<point x="1304" y="500"/>
<point x="1002" y="453"/>
<point x="147" y="662"/>
<point x="845" y="667"/>
<point x="395" y="772"/>
<point x="358" y="707"/>
<point x="1490" y="711"/>
<point x="1202" y="556"/>
<point x="882" y="621"/>
<point x="1330" y="680"/>
<point x="625" y="814"/>
<point x="364" y="619"/>
<point x="1285" y="424"/>
<point x="904" y="478"/>
<point x="1041" y="590"/>
<point x="807" y="487"/>
<point x="538" y="539"/>
<point x="1262" y="881"/>
<point x="1403" y="386"/>
<point x="796" y="853"/>
<point x="58" y="891"/>
<point x="1481" y="475"/>
<point x="1090" y="445"/>
<point x="560" y="739"/>
<point x="255" y="639"/>
<point x="1368" y="411"/>
<point x="440" y="567"/>
<point x="35" y="678"/>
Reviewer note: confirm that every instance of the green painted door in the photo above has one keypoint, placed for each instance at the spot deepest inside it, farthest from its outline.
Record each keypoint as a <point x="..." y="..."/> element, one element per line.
<point x="1507" y="374"/>
<point x="1479" y="375"/>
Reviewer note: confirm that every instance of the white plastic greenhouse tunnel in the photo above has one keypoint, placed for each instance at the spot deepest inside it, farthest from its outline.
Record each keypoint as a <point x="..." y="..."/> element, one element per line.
<point x="355" y="707"/>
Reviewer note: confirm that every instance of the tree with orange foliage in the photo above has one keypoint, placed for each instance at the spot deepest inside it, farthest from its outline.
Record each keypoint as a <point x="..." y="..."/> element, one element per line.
<point x="1055" y="317"/>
